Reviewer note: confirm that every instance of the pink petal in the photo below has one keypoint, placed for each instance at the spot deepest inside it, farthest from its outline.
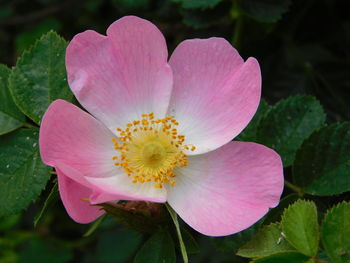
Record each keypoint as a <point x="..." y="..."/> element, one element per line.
<point x="73" y="195"/>
<point x="229" y="189"/>
<point x="122" y="75"/>
<point x="215" y="93"/>
<point x="121" y="187"/>
<point x="72" y="138"/>
<point x="114" y="187"/>
<point x="81" y="147"/>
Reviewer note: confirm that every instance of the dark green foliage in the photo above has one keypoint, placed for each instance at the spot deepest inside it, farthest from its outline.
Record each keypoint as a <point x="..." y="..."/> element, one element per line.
<point x="158" y="249"/>
<point x="322" y="163"/>
<point x="9" y="222"/>
<point x="22" y="174"/>
<point x="336" y="233"/>
<point x="269" y="240"/>
<point x="296" y="238"/>
<point x="40" y="251"/>
<point x="233" y="242"/>
<point x="249" y="134"/>
<point x="124" y="241"/>
<point x="288" y="124"/>
<point x="191" y="244"/>
<point x="29" y="37"/>
<point x="139" y="219"/>
<point x="266" y="10"/>
<point x="11" y="117"/>
<point x="197" y="3"/>
<point x="198" y="18"/>
<point x="39" y="77"/>
<point x="302" y="48"/>
<point x="50" y="201"/>
<point x="129" y="6"/>
<point x="285" y="257"/>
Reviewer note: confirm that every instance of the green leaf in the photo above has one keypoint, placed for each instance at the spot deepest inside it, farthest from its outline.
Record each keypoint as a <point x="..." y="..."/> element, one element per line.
<point x="51" y="199"/>
<point x="11" y="117"/>
<point x="333" y="85"/>
<point x="22" y="174"/>
<point x="39" y="76"/>
<point x="322" y="164"/>
<point x="191" y="244"/>
<point x="117" y="246"/>
<point x="275" y="214"/>
<point x="289" y="123"/>
<point x="234" y="242"/>
<point x="249" y="133"/>
<point x="197" y="18"/>
<point x="133" y="219"/>
<point x="322" y="255"/>
<point x="40" y="251"/>
<point x="285" y="257"/>
<point x="197" y="4"/>
<point x="94" y="5"/>
<point x="158" y="249"/>
<point x="300" y="226"/>
<point x="269" y="240"/>
<point x="126" y="6"/>
<point x="6" y="11"/>
<point x="335" y="233"/>
<point x="9" y="222"/>
<point x="266" y="10"/>
<point x="94" y="225"/>
<point x="27" y="38"/>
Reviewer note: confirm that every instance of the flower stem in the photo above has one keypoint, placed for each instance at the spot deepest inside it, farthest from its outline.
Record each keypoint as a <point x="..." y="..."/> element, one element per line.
<point x="237" y="15"/>
<point x="237" y="34"/>
<point x="29" y="125"/>
<point x="177" y="226"/>
<point x="293" y="187"/>
<point x="95" y="225"/>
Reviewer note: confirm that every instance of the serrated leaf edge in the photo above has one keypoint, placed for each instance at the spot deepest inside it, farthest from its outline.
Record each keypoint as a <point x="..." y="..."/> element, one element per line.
<point x="263" y="228"/>
<point x="268" y="20"/>
<point x="328" y="213"/>
<point x="314" y="133"/>
<point x="6" y="68"/>
<point x="287" y="101"/>
<point x="25" y="54"/>
<point x="283" y="218"/>
<point x="292" y="251"/>
<point x="183" y="5"/>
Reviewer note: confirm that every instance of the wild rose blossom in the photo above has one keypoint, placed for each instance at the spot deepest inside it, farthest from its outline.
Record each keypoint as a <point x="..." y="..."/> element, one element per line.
<point x="160" y="131"/>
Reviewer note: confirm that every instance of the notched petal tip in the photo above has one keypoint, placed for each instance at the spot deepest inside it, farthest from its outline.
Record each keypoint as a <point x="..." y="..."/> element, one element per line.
<point x="215" y="92"/>
<point x="120" y="75"/>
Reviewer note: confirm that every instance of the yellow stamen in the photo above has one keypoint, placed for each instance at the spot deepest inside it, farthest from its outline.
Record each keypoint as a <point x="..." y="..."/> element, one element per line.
<point x="150" y="149"/>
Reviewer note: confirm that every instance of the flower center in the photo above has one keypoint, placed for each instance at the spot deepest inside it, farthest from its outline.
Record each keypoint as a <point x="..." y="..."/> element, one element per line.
<point x="149" y="150"/>
<point x="153" y="153"/>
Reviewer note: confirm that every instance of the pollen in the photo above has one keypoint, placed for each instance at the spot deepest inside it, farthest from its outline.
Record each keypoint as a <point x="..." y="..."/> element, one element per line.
<point x="149" y="149"/>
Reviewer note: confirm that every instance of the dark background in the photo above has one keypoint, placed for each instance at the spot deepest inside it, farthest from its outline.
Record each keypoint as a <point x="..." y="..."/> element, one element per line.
<point x="303" y="47"/>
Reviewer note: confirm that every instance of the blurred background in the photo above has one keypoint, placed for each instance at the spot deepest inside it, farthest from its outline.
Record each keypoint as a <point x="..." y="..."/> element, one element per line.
<point x="303" y="47"/>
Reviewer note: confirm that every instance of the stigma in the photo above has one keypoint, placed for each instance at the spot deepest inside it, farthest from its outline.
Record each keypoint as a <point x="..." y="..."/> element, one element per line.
<point x="149" y="149"/>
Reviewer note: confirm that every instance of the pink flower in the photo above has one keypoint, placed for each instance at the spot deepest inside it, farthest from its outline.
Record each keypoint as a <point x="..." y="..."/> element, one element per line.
<point x="160" y="131"/>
